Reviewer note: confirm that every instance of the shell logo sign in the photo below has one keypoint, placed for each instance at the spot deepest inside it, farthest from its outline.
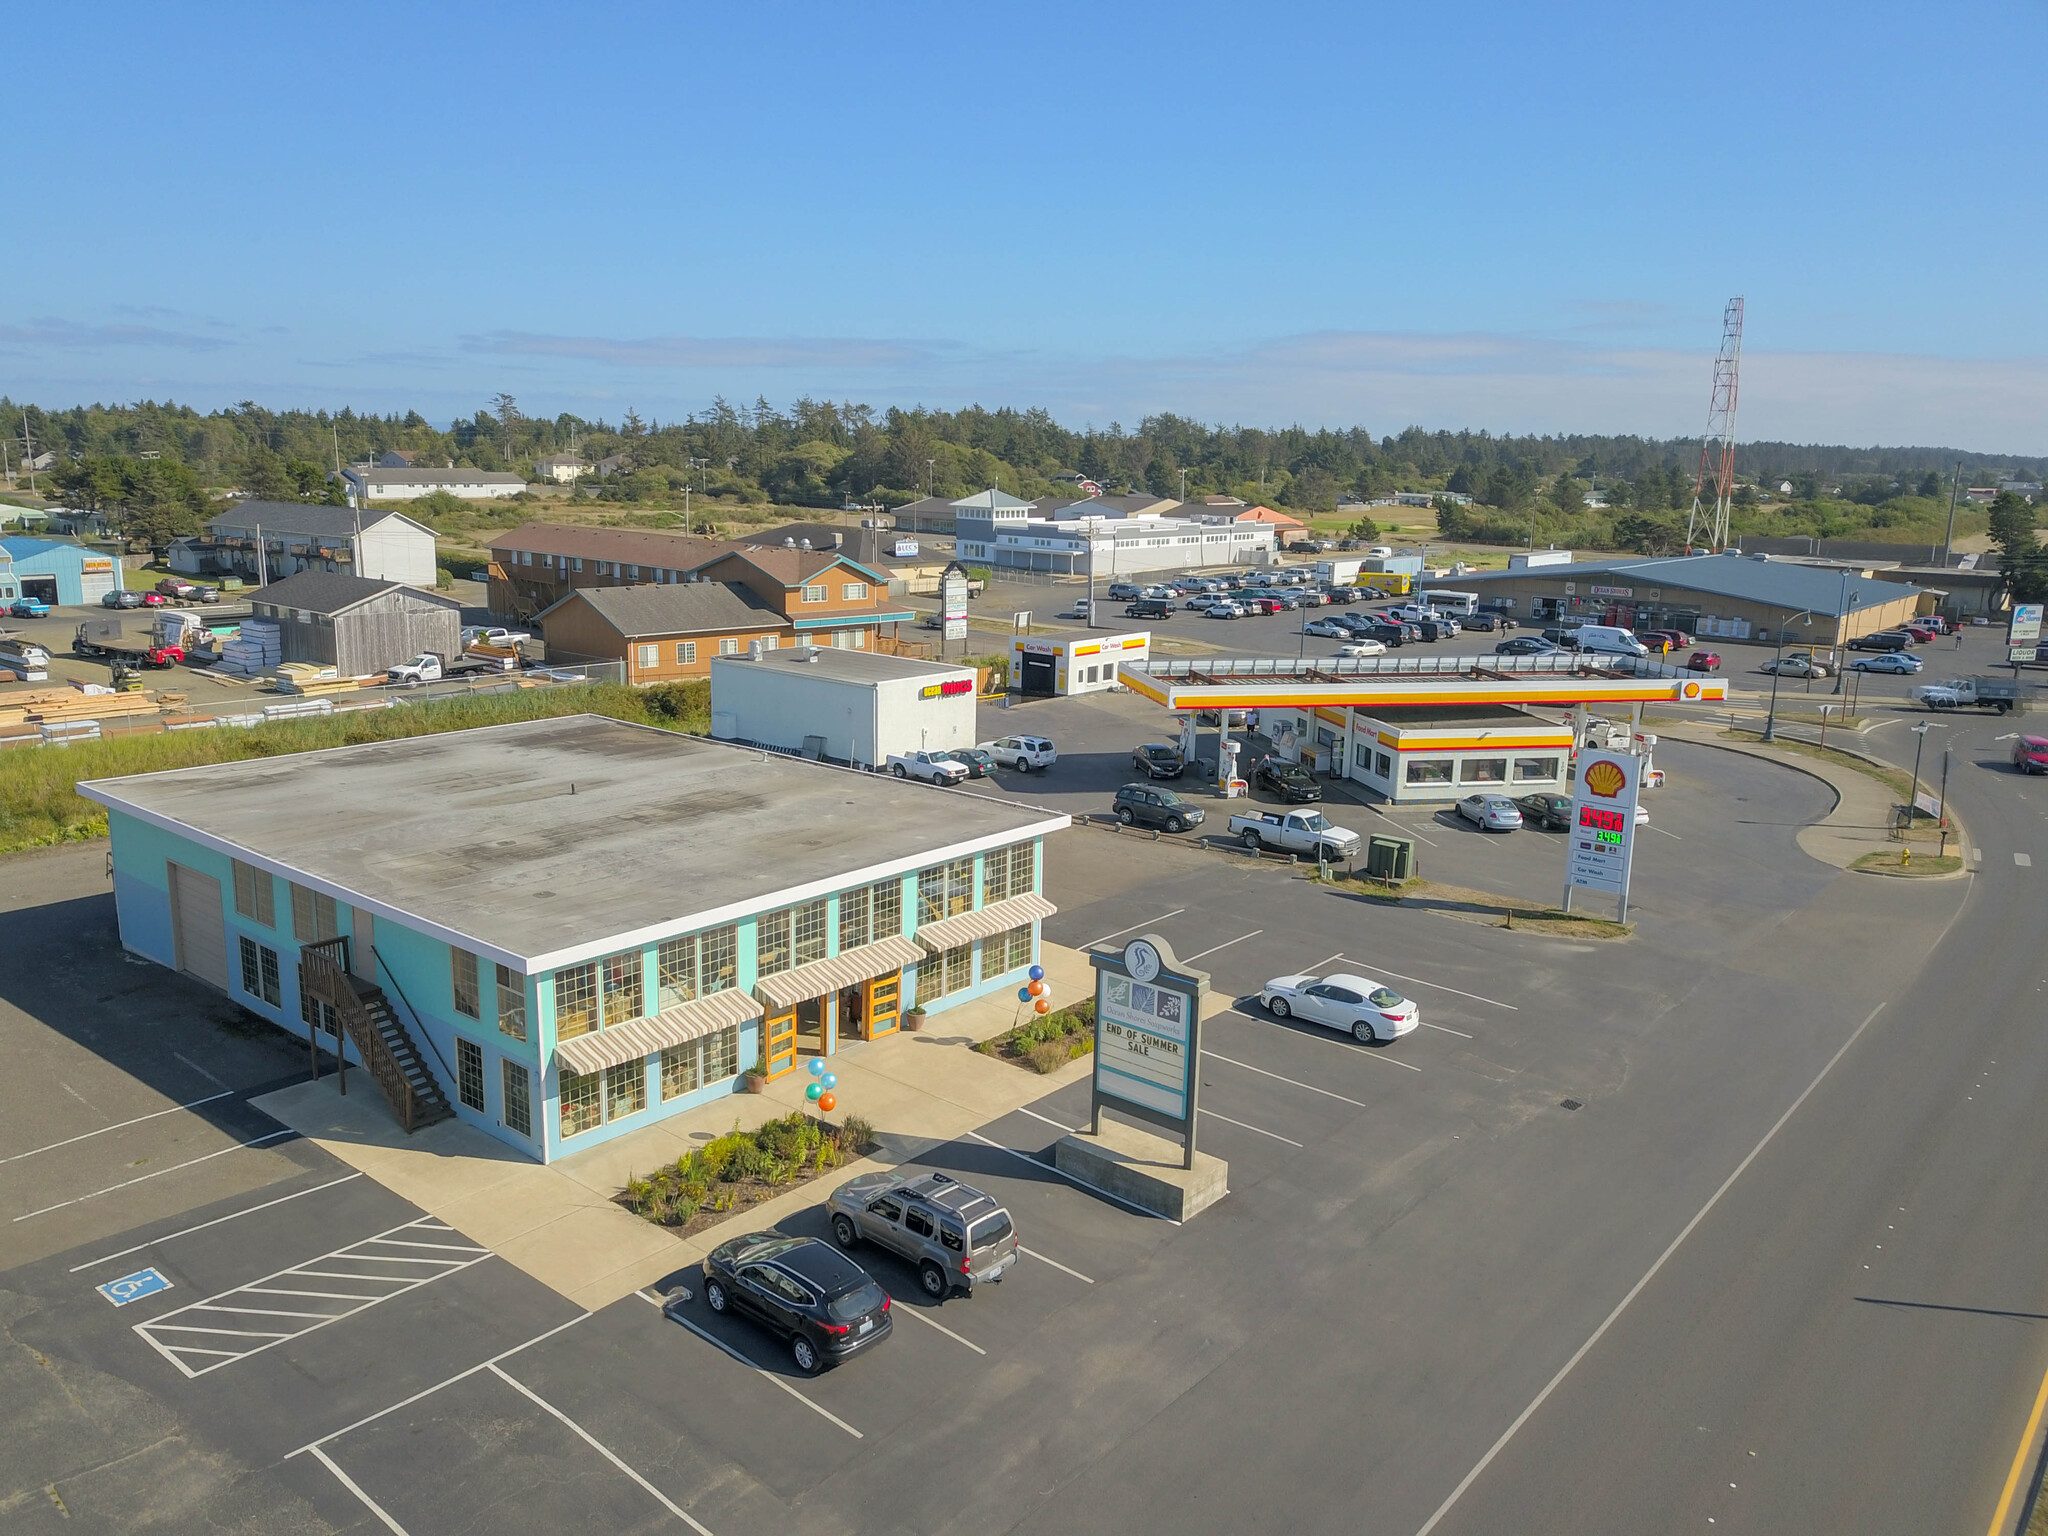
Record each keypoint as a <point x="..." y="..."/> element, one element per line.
<point x="1606" y="779"/>
<point x="1692" y="690"/>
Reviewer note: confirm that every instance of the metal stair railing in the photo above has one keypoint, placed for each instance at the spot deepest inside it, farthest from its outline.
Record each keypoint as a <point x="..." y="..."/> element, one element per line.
<point x="324" y="975"/>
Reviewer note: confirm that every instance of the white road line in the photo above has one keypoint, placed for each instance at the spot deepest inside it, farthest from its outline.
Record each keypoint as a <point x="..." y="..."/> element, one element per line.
<point x="108" y="1258"/>
<point x="1318" y="1038"/>
<point x="768" y="1376"/>
<point x="1055" y="1263"/>
<point x="353" y="1487"/>
<point x="1325" y="961"/>
<point x="2024" y="860"/>
<point x="1226" y="944"/>
<point x="312" y="1447"/>
<point x="1244" y="1127"/>
<point x="1060" y="1173"/>
<point x="1976" y="855"/>
<point x="1672" y="835"/>
<point x="1443" y="1029"/>
<point x="117" y="1126"/>
<point x="1439" y="986"/>
<point x="145" y="1178"/>
<point x="1311" y="1087"/>
<point x="200" y="1070"/>
<point x="602" y="1449"/>
<point x="1176" y="912"/>
<point x="1648" y="1275"/>
<point x="901" y="1310"/>
<point x="1034" y="1114"/>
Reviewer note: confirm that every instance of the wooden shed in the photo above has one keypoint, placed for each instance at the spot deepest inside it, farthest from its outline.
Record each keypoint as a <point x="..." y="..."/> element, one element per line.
<point x="355" y="625"/>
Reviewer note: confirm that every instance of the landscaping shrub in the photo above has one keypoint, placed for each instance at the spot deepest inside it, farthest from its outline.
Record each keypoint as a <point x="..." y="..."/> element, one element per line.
<point x="742" y="1166"/>
<point x="1045" y="1043"/>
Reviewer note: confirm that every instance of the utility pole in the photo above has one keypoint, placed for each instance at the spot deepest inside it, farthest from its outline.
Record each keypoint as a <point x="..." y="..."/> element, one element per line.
<point x="28" y="453"/>
<point x="1954" y="484"/>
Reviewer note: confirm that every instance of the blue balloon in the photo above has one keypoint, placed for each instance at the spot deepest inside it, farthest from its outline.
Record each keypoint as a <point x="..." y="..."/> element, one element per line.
<point x="830" y="1080"/>
<point x="1036" y="973"/>
<point x="817" y="1065"/>
<point x="1024" y="993"/>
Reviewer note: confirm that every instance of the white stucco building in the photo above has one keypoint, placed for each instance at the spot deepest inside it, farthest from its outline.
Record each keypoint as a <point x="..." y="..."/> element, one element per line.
<point x="410" y="484"/>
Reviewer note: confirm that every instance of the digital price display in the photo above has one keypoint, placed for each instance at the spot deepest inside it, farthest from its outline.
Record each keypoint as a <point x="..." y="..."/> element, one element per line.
<point x="1606" y="826"/>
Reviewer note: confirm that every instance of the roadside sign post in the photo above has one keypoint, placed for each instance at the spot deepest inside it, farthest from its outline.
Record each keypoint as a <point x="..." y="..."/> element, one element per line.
<point x="1601" y="843"/>
<point x="2023" y="634"/>
<point x="953" y="604"/>
<point x="1148" y="1038"/>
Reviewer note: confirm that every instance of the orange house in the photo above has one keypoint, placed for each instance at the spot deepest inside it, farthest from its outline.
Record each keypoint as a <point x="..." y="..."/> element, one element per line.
<point x="824" y="597"/>
<point x="662" y="634"/>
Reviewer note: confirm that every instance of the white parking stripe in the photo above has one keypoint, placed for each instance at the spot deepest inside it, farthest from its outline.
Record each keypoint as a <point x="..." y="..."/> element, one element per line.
<point x="1439" y="986"/>
<point x="767" y="1376"/>
<point x="353" y="1487"/>
<point x="1162" y="917"/>
<point x="1672" y="835"/>
<point x="901" y="1310"/>
<point x="108" y="1258"/>
<point x="1443" y="1029"/>
<point x="188" y="1061"/>
<point x="1034" y="1114"/>
<point x="1211" y="1114"/>
<point x="2024" y="860"/>
<point x="1311" y="1087"/>
<point x="145" y="1178"/>
<point x="1226" y="944"/>
<point x="602" y="1449"/>
<point x="1331" y="1039"/>
<point x="117" y="1126"/>
<point x="1055" y="1263"/>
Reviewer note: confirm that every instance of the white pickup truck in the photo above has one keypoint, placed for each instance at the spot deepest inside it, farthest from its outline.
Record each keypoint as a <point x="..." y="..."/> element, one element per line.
<point x="1968" y="693"/>
<point x="491" y="634"/>
<point x="1301" y="832"/>
<point x="932" y="767"/>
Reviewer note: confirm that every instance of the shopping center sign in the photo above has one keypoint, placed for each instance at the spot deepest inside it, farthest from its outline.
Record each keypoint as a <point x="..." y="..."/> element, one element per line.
<point x="1148" y="1037"/>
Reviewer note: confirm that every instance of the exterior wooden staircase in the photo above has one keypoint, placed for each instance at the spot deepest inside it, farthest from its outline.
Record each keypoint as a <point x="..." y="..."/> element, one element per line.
<point x="382" y="1041"/>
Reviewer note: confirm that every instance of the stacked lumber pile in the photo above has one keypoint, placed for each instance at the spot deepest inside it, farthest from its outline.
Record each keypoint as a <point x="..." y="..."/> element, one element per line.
<point x="16" y="708"/>
<point x="95" y="706"/>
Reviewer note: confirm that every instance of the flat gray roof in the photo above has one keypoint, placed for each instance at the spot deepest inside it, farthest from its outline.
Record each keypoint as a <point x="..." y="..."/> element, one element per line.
<point x="548" y="842"/>
<point x="846" y="666"/>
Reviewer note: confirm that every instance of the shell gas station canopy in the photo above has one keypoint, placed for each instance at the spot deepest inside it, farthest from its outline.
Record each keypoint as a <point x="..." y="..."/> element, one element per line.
<point x="1376" y="682"/>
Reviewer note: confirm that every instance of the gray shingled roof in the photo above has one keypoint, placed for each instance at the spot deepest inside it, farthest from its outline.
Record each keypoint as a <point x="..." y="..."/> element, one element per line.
<point x="677" y="608"/>
<point x="1780" y="584"/>
<point x="333" y="592"/>
<point x="316" y="520"/>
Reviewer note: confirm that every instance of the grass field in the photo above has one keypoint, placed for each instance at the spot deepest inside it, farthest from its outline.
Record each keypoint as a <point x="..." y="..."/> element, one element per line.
<point x="40" y="804"/>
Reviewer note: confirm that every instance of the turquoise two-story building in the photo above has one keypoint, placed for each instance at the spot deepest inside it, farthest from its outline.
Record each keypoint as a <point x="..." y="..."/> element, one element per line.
<point x="561" y="930"/>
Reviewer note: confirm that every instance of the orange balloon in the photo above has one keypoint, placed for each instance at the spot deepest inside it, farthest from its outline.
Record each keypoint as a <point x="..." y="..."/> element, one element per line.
<point x="827" y="1102"/>
<point x="1041" y="1006"/>
<point x="1036" y="989"/>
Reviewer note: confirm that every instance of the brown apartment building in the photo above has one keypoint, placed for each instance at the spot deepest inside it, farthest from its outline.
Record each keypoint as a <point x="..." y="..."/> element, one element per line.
<point x="662" y="632"/>
<point x="825" y="597"/>
<point x="534" y="567"/>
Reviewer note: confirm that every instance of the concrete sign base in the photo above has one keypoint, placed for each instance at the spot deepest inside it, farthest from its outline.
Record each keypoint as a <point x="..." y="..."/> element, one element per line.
<point x="1143" y="1169"/>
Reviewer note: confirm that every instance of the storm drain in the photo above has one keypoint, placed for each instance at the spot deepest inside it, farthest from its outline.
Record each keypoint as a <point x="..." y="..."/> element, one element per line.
<point x="1570" y="1104"/>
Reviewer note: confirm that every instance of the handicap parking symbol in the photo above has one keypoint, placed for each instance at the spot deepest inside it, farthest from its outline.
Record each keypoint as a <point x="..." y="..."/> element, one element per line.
<point x="144" y="1282"/>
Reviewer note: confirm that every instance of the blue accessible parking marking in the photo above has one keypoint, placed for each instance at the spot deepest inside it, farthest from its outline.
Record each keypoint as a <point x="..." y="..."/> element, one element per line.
<point x="144" y="1282"/>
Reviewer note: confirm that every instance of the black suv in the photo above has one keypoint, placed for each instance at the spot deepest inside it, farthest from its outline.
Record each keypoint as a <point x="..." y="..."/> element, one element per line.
<point x="1290" y="781"/>
<point x="1149" y="608"/>
<point x="1156" y="760"/>
<point x="1143" y="806"/>
<point x="826" y="1305"/>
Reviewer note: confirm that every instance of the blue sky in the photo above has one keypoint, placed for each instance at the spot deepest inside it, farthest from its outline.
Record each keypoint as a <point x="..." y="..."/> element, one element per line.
<point x="1504" y="216"/>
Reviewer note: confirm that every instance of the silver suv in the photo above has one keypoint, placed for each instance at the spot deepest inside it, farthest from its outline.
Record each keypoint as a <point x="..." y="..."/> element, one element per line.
<point x="956" y="1236"/>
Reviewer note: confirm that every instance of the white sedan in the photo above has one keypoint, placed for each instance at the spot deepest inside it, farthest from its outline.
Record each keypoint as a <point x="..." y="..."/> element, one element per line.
<point x="1367" y="1010"/>
<point x="1363" y="648"/>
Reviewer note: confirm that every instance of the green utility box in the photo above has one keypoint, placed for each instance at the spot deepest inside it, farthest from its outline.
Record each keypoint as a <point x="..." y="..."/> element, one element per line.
<point x="1390" y="858"/>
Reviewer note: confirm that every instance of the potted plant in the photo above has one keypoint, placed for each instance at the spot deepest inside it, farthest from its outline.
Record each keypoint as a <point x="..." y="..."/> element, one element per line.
<point x="913" y="1020"/>
<point x="757" y="1074"/>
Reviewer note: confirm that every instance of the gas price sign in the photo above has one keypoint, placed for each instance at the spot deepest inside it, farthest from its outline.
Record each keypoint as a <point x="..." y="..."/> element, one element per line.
<point x="1603" y="833"/>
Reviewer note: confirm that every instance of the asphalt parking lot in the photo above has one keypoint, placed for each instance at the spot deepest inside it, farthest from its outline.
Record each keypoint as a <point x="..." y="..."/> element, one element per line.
<point x="1415" y="1233"/>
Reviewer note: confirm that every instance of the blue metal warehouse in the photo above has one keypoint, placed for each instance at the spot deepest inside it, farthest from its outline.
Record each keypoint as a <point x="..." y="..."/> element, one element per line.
<point x="55" y="572"/>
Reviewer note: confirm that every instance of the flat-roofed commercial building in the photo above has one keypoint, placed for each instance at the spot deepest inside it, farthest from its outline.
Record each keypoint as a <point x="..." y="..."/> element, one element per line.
<point x="1446" y="752"/>
<point x="561" y="930"/>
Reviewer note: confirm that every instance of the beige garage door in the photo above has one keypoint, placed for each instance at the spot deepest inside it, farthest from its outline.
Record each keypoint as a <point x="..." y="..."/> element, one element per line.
<point x="199" y="926"/>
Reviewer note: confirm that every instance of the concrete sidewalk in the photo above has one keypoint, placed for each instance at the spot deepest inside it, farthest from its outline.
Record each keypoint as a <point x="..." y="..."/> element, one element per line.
<point x="560" y="1222"/>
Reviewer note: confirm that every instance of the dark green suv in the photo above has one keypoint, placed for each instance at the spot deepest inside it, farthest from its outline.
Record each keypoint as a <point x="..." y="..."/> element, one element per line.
<point x="1293" y="783"/>
<point x="1146" y="805"/>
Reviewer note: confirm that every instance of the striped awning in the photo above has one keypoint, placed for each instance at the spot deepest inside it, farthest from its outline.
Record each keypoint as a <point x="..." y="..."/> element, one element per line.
<point x="951" y="932"/>
<point x="643" y="1037"/>
<point x="821" y="977"/>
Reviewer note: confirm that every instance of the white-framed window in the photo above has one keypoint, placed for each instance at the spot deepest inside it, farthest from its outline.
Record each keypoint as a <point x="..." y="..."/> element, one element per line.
<point x="1536" y="768"/>
<point x="518" y="1097"/>
<point x="313" y="915"/>
<point x="462" y="977"/>
<point x="1429" y="770"/>
<point x="854" y="591"/>
<point x="511" y="1003"/>
<point x="728" y="647"/>
<point x="686" y="652"/>
<point x="816" y="592"/>
<point x="650" y="655"/>
<point x="625" y="1089"/>
<point x="1483" y="770"/>
<point x="259" y="972"/>
<point x="469" y="1074"/>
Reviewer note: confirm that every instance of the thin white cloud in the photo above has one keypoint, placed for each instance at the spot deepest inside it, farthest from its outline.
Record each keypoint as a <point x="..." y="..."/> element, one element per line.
<point x="73" y="336"/>
<point x="737" y="352"/>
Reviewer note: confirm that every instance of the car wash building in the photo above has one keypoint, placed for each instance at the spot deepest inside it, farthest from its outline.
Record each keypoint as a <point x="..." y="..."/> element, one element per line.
<point x="1084" y="663"/>
<point x="561" y="930"/>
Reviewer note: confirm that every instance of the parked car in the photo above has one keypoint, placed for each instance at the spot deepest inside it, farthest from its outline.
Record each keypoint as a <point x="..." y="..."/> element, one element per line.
<point x="1309" y="834"/>
<point x="1124" y="591"/>
<point x="1673" y="639"/>
<point x="952" y="1234"/>
<point x="1548" y="810"/>
<point x="1795" y="666"/>
<point x="826" y="1305"/>
<point x="1527" y="645"/>
<point x="979" y="764"/>
<point x="1201" y="600"/>
<point x="493" y="634"/>
<point x="1304" y="547"/>
<point x="1157" y="760"/>
<point x="121" y="597"/>
<point x="1485" y="623"/>
<point x="931" y="767"/>
<point x="1703" y="661"/>
<point x="1022" y="753"/>
<point x="1438" y="628"/>
<point x="1491" y="813"/>
<point x="2030" y="754"/>
<point x="1367" y="1010"/>
<point x="30" y="608"/>
<point x="1387" y="634"/>
<point x="1329" y="629"/>
<point x="1883" y="640"/>
<point x="1149" y="608"/>
<point x="155" y="600"/>
<point x="1366" y="646"/>
<point x="1223" y="608"/>
<point x="1887" y="661"/>
<point x="1140" y="805"/>
<point x="1290" y="781"/>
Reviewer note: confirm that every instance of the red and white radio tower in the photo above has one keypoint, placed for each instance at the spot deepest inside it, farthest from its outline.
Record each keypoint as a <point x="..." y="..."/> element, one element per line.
<point x="1719" y="442"/>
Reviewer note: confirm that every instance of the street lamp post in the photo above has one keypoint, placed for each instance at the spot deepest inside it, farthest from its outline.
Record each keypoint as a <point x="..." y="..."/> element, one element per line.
<point x="1777" y="663"/>
<point x="1842" y="631"/>
<point x="1913" y="799"/>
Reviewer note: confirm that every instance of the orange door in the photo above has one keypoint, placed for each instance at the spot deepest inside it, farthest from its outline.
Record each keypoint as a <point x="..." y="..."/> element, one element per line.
<point x="779" y="1033"/>
<point x="884" y="1005"/>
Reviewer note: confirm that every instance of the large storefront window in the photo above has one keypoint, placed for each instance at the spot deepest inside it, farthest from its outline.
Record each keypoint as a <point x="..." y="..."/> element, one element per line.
<point x="1483" y="770"/>
<point x="1429" y="770"/>
<point x="771" y="943"/>
<point x="575" y="1007"/>
<point x="698" y="964"/>
<point x="947" y="972"/>
<point x="945" y="890"/>
<point x="511" y="1003"/>
<point x="1007" y="872"/>
<point x="625" y="1089"/>
<point x="582" y="1102"/>
<point x="1536" y="768"/>
<point x="622" y="988"/>
<point x="809" y="923"/>
<point x="697" y="1063"/>
<point x="1009" y="950"/>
